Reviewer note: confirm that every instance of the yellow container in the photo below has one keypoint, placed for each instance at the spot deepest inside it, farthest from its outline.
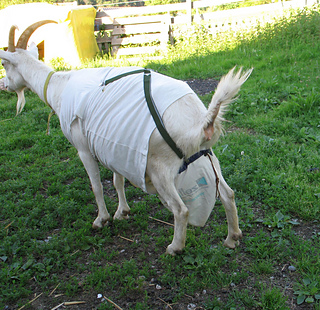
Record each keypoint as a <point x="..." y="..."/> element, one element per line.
<point x="71" y="39"/>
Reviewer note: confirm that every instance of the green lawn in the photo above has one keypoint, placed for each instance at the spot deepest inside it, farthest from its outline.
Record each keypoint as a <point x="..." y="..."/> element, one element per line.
<point x="270" y="157"/>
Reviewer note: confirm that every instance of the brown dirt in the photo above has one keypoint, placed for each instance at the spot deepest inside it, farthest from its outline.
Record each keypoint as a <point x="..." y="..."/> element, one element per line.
<point x="203" y="87"/>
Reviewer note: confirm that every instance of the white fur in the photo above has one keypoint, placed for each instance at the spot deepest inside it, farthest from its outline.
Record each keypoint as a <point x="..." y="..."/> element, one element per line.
<point x="189" y="123"/>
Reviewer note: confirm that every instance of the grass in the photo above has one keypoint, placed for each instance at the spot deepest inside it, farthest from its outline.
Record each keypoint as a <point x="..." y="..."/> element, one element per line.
<point x="269" y="156"/>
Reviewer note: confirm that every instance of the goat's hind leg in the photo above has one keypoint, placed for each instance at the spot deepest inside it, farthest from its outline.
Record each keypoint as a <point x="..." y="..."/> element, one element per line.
<point x="123" y="208"/>
<point x="227" y="199"/>
<point x="164" y="184"/>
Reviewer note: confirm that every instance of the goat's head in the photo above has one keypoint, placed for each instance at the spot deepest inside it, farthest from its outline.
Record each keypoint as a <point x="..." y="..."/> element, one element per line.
<point x="15" y="56"/>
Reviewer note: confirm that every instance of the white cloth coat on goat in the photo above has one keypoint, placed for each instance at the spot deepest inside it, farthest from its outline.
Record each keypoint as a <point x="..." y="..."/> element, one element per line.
<point x="115" y="118"/>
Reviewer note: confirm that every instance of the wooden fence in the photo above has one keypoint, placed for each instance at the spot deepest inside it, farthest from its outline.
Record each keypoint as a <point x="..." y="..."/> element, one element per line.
<point x="146" y="29"/>
<point x="134" y="35"/>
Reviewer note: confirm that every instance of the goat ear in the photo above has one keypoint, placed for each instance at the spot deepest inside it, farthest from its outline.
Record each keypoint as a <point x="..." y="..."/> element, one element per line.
<point x="33" y="49"/>
<point x="209" y="131"/>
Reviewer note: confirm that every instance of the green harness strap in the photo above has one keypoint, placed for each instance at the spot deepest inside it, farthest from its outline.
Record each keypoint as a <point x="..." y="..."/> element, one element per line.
<point x="151" y="105"/>
<point x="120" y="76"/>
<point x="45" y="88"/>
<point x="156" y="116"/>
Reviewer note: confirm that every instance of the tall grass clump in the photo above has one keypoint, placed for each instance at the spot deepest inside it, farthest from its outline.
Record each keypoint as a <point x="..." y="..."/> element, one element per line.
<point x="285" y="39"/>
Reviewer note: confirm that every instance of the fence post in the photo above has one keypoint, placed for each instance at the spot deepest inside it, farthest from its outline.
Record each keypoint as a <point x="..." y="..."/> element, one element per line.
<point x="189" y="11"/>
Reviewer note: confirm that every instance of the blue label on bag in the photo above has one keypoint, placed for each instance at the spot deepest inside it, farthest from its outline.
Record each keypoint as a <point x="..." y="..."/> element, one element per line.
<point x="200" y="183"/>
<point x="193" y="199"/>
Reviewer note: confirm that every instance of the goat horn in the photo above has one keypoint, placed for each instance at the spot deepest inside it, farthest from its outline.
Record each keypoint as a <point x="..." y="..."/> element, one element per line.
<point x="25" y="36"/>
<point x="11" y="43"/>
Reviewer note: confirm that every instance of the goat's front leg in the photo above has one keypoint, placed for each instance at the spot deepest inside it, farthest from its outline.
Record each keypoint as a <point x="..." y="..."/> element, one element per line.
<point x="123" y="208"/>
<point x="92" y="168"/>
<point x="181" y="215"/>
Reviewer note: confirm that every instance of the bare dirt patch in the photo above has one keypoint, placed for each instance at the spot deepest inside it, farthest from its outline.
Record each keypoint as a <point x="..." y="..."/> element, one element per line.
<point x="203" y="87"/>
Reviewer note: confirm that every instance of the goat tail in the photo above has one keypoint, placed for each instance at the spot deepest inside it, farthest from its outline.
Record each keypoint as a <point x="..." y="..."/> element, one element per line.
<point x="225" y="93"/>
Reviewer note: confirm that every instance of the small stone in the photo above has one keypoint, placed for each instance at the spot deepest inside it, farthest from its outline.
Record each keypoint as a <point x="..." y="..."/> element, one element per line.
<point x="204" y="292"/>
<point x="158" y="287"/>
<point x="292" y="268"/>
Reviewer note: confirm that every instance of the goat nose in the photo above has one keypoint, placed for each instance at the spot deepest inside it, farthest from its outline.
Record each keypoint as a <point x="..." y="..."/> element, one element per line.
<point x="3" y="84"/>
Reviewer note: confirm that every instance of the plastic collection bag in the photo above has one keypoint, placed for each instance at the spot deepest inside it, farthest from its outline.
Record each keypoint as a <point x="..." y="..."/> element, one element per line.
<point x="197" y="187"/>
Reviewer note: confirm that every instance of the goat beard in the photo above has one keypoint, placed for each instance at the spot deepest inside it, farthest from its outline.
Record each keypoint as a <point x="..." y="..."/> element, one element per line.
<point x="21" y="101"/>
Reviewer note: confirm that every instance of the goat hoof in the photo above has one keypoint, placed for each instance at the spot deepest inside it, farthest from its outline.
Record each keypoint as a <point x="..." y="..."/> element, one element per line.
<point x="231" y="245"/>
<point x="123" y="215"/>
<point x="173" y="252"/>
<point x="233" y="240"/>
<point x="237" y="236"/>
<point x="100" y="223"/>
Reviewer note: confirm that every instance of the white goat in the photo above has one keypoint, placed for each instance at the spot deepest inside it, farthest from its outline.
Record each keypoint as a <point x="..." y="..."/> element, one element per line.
<point x="188" y="122"/>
